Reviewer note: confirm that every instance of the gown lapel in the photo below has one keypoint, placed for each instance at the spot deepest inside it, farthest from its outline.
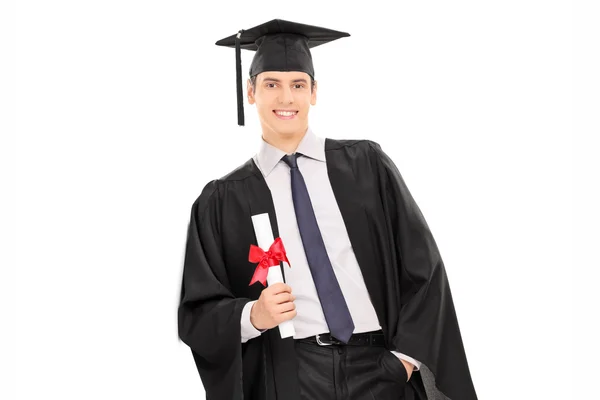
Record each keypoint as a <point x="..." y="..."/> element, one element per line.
<point x="283" y="368"/>
<point x="347" y="186"/>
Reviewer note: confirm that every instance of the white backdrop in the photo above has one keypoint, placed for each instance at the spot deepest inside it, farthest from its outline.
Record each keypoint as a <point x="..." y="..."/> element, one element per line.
<point x="125" y="109"/>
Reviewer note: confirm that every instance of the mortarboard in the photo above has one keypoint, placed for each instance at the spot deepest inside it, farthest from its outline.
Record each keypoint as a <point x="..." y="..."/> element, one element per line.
<point x="280" y="46"/>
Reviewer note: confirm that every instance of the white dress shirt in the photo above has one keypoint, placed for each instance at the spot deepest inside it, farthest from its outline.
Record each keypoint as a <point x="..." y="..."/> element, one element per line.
<point x="310" y="320"/>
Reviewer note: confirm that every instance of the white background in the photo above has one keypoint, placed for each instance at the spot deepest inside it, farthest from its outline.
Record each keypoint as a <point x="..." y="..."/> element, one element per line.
<point x="125" y="109"/>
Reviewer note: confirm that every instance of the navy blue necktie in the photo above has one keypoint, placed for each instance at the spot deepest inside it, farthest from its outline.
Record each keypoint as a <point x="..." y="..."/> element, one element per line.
<point x="332" y="300"/>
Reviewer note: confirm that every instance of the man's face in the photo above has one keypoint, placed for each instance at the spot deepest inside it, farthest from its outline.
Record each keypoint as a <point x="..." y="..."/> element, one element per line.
<point x="282" y="100"/>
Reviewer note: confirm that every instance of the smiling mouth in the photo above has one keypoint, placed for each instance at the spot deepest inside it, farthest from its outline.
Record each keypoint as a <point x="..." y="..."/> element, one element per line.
<point x="285" y="114"/>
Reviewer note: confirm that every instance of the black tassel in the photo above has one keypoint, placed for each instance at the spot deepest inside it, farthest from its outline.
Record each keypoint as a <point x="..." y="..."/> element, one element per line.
<point x="238" y="70"/>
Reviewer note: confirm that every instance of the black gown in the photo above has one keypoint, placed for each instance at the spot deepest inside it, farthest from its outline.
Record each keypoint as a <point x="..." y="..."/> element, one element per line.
<point x="399" y="259"/>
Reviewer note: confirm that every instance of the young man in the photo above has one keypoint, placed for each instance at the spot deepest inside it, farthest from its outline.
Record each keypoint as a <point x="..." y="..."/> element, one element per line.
<point x="367" y="290"/>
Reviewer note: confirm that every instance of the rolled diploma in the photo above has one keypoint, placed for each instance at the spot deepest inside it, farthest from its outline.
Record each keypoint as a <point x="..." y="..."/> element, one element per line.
<point x="264" y="236"/>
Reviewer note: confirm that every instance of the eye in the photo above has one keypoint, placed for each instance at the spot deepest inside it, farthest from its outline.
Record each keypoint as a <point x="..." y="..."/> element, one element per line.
<point x="299" y="86"/>
<point x="270" y="85"/>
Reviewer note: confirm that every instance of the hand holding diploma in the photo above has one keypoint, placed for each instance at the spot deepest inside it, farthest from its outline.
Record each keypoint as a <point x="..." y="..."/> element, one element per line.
<point x="276" y="303"/>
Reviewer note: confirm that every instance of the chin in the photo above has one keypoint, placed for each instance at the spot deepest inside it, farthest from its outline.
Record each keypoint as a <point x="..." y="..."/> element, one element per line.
<point x="286" y="129"/>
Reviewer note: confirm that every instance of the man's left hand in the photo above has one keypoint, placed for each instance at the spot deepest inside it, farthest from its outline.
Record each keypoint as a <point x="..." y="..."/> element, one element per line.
<point x="409" y="368"/>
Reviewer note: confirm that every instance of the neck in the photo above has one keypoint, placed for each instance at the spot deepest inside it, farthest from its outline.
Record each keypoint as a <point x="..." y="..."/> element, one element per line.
<point x="286" y="142"/>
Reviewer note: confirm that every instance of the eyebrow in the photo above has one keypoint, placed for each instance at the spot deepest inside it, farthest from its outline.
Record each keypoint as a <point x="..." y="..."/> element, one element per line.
<point x="279" y="81"/>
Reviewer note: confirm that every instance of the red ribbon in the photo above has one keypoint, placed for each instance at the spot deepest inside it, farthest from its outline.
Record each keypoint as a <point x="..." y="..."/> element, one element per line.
<point x="266" y="259"/>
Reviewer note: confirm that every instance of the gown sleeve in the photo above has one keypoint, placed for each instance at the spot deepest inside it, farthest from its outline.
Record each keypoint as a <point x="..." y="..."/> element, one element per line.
<point x="208" y="313"/>
<point x="427" y="328"/>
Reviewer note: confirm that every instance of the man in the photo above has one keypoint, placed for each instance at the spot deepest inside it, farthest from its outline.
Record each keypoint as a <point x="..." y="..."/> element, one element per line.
<point x="367" y="290"/>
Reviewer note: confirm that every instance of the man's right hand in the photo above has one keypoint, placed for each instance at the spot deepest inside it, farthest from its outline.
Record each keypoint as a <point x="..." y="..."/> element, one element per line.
<point x="274" y="306"/>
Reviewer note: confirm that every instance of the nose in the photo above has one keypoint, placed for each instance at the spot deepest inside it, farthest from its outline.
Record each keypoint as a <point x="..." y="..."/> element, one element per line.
<point x="286" y="96"/>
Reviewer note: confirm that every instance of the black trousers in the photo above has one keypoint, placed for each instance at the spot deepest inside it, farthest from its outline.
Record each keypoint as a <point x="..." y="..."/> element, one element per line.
<point x="341" y="372"/>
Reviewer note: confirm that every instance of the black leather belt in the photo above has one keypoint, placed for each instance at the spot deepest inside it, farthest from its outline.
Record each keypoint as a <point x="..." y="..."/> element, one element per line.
<point x="358" y="339"/>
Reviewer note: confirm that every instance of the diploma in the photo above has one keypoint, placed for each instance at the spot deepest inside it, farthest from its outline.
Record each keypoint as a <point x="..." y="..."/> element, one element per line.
<point x="264" y="236"/>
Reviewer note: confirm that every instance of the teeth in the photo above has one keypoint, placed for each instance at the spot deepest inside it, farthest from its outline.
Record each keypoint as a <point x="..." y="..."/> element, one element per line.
<point x="285" y="113"/>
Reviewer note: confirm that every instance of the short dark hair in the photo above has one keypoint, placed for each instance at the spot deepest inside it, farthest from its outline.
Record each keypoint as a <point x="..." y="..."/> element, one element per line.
<point x="253" y="83"/>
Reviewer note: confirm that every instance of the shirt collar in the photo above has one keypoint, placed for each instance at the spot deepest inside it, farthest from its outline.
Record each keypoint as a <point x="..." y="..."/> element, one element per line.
<point x="310" y="146"/>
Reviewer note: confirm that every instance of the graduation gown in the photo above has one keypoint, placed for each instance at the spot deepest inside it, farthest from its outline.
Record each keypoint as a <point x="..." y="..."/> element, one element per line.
<point x="403" y="271"/>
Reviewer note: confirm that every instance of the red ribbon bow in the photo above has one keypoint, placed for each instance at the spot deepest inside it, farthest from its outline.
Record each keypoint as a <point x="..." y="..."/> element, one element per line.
<point x="266" y="259"/>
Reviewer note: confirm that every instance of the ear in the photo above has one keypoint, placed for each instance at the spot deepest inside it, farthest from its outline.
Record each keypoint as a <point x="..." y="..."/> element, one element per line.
<point x="249" y="92"/>
<point x="313" y="96"/>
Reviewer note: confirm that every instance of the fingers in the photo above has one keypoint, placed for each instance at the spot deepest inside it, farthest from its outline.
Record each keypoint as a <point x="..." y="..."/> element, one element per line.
<point x="280" y="288"/>
<point x="287" y="315"/>
<point x="278" y="304"/>
<point x="285" y="307"/>
<point x="283" y="297"/>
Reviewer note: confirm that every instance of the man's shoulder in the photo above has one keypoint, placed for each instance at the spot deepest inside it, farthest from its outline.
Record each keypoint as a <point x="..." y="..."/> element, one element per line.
<point x="214" y="186"/>
<point x="361" y="146"/>
<point x="241" y="172"/>
<point x="336" y="144"/>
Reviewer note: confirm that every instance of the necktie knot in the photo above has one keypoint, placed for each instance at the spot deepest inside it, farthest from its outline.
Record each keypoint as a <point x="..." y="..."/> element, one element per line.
<point x="291" y="160"/>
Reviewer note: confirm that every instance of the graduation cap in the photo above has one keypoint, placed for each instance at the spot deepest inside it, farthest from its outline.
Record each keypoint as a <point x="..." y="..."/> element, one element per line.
<point x="280" y="46"/>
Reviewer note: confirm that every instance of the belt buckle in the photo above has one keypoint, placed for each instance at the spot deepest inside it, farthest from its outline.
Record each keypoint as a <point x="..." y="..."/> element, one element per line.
<point x="321" y="343"/>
